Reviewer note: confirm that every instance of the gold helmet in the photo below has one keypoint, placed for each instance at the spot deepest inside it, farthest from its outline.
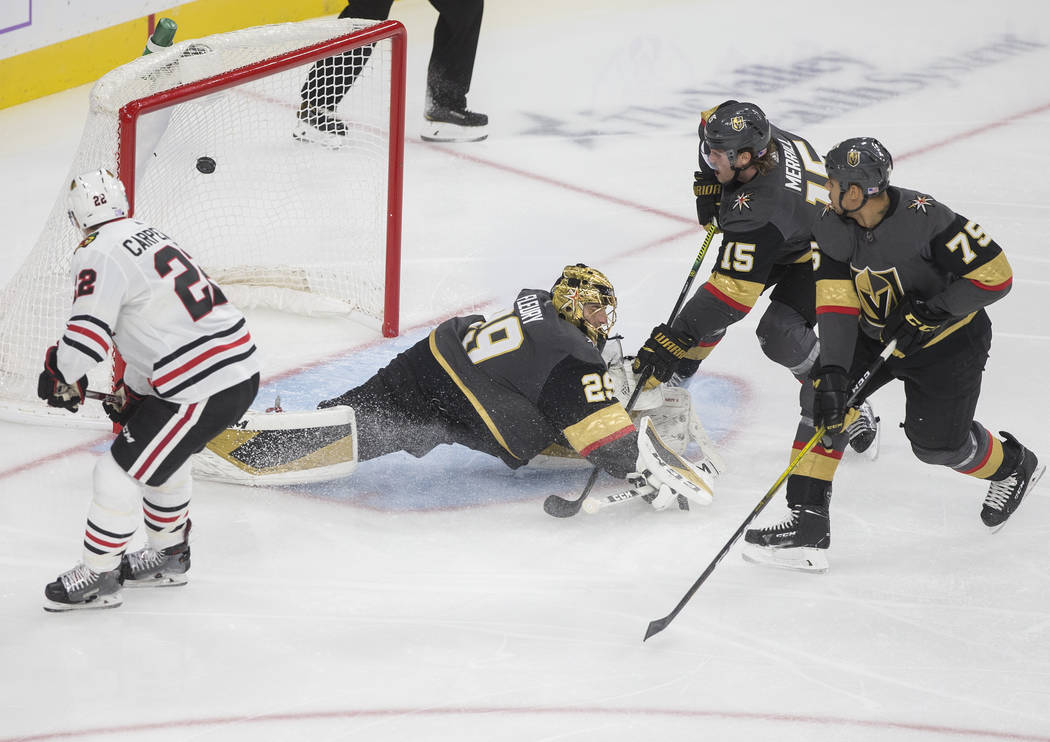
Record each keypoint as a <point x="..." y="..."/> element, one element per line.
<point x="577" y="286"/>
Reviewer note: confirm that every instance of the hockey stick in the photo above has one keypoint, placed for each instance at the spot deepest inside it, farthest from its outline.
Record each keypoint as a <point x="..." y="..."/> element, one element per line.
<point x="593" y="504"/>
<point x="559" y="507"/>
<point x="660" y="624"/>
<point x="101" y="396"/>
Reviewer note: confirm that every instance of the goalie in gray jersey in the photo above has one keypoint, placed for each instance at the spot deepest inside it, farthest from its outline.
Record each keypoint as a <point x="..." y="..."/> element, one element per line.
<point x="895" y="264"/>
<point x="514" y="383"/>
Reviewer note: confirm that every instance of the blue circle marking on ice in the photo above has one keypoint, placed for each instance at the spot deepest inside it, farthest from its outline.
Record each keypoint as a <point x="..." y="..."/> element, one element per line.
<point x="451" y="477"/>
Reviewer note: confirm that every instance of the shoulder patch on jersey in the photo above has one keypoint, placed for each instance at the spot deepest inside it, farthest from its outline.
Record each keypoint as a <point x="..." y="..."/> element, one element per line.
<point x="86" y="241"/>
<point x="742" y="201"/>
<point x="921" y="202"/>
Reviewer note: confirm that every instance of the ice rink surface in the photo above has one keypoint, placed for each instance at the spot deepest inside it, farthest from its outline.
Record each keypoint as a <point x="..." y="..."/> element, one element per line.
<point x="433" y="599"/>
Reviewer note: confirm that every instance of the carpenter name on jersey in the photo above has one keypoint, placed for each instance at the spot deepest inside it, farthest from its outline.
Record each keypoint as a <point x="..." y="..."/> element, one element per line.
<point x="136" y="289"/>
<point x="535" y="379"/>
<point x="920" y="248"/>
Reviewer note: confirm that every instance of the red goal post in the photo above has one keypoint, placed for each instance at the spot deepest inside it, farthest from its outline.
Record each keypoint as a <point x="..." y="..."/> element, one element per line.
<point x="308" y="224"/>
<point x="393" y="30"/>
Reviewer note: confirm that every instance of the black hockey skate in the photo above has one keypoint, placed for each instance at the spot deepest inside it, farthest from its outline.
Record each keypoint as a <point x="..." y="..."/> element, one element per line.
<point x="443" y="124"/>
<point x="148" y="567"/>
<point x="864" y="432"/>
<point x="799" y="542"/>
<point x="82" y="588"/>
<point x="1005" y="496"/>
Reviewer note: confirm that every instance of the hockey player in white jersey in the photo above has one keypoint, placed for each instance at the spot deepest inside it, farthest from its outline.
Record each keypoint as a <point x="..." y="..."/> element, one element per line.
<point x="191" y="371"/>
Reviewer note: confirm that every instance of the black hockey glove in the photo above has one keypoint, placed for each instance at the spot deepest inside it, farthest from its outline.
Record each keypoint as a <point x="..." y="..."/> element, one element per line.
<point x="662" y="352"/>
<point x="831" y="385"/>
<point x="708" y="192"/>
<point x="52" y="387"/>
<point x="913" y="324"/>
<point x="123" y="407"/>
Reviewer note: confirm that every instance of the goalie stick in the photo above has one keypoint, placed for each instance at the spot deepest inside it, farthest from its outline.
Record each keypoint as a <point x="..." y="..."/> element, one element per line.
<point x="658" y="625"/>
<point x="559" y="507"/>
<point x="593" y="504"/>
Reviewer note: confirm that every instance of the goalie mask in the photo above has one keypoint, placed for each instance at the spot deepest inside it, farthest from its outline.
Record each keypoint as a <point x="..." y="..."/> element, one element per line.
<point x="95" y="198"/>
<point x="576" y="287"/>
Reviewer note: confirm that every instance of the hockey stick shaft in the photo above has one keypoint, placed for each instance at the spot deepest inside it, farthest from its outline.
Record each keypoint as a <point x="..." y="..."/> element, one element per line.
<point x="560" y="507"/>
<point x="660" y="624"/>
<point x="594" y="504"/>
<point x="101" y="396"/>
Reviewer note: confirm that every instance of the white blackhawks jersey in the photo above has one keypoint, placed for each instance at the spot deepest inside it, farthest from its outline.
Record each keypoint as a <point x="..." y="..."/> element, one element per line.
<point x="133" y="287"/>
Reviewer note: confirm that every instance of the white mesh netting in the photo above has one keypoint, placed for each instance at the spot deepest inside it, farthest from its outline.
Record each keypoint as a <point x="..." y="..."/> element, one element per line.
<point x="296" y="222"/>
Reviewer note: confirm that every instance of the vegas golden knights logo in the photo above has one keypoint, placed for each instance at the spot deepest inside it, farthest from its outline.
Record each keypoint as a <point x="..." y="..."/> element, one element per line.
<point x="737" y="122"/>
<point x="853" y="158"/>
<point x="879" y="291"/>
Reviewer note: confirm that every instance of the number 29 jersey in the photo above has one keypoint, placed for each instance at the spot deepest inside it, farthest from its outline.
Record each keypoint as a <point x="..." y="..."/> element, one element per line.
<point x="535" y="379"/>
<point x="136" y="289"/>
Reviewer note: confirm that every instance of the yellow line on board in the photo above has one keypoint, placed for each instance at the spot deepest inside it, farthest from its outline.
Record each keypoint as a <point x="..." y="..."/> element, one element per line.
<point x="86" y="58"/>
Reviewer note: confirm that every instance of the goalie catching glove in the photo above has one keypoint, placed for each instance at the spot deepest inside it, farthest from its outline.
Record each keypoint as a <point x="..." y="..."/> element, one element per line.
<point x="52" y="387"/>
<point x="663" y="477"/>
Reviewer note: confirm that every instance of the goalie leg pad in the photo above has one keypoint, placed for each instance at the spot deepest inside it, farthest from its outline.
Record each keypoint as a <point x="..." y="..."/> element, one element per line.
<point x="265" y="449"/>
<point x="659" y="466"/>
<point x="708" y="449"/>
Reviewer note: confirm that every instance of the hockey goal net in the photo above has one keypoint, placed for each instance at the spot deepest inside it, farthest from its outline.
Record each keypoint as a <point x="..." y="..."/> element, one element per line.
<point x="208" y="138"/>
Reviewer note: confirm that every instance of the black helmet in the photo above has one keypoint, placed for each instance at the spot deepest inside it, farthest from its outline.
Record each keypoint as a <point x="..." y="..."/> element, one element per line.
<point x="735" y="127"/>
<point x="860" y="160"/>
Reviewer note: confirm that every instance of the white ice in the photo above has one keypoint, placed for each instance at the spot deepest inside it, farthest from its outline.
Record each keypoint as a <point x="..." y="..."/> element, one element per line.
<point x="433" y="599"/>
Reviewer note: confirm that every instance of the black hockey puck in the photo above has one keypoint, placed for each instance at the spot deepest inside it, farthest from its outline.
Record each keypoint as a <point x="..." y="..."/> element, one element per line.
<point x="206" y="165"/>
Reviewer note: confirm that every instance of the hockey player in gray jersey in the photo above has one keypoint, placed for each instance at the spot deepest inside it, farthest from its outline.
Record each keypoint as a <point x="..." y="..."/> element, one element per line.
<point x="764" y="187"/>
<point x="514" y="383"/>
<point x="895" y="264"/>
<point x="191" y="370"/>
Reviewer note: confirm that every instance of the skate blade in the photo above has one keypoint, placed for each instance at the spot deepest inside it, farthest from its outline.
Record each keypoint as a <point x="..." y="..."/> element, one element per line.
<point x="438" y="131"/>
<point x="1036" y="476"/>
<point x="310" y="135"/>
<point x="162" y="581"/>
<point x="109" y="601"/>
<point x="801" y="559"/>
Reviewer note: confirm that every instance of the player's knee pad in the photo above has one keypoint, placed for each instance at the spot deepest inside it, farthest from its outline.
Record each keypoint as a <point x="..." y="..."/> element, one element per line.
<point x="951" y="457"/>
<point x="178" y="486"/>
<point x="786" y="338"/>
<point x="115" y="489"/>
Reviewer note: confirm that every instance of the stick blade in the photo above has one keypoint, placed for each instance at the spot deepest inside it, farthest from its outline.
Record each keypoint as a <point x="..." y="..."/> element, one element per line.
<point x="655" y="627"/>
<point x="559" y="507"/>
